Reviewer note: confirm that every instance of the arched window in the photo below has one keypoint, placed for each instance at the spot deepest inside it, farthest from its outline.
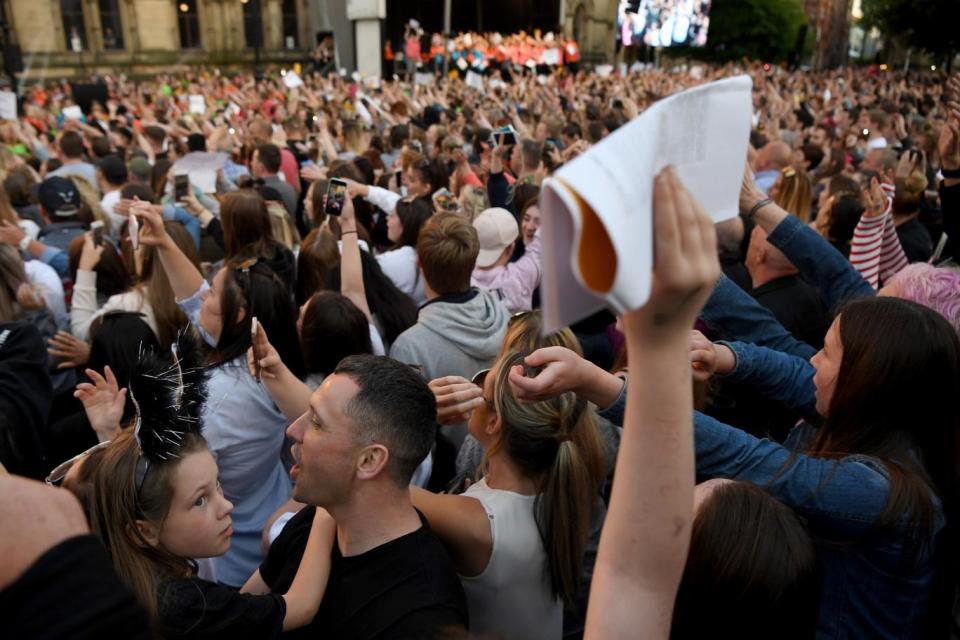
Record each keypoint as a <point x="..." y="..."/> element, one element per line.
<point x="73" y="26"/>
<point x="110" y="24"/>
<point x="188" y="21"/>
<point x="290" y="36"/>
<point x="252" y="23"/>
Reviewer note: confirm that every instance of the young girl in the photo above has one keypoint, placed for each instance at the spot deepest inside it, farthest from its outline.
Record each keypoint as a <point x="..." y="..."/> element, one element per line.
<point x="244" y="429"/>
<point x="157" y="505"/>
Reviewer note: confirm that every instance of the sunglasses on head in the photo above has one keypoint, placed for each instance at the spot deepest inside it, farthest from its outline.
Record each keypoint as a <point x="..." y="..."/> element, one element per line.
<point x="55" y="477"/>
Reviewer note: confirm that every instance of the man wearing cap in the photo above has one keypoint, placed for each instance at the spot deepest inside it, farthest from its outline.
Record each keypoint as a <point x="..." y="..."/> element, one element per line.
<point x="60" y="208"/>
<point x="111" y="176"/>
<point x="139" y="168"/>
<point x="512" y="282"/>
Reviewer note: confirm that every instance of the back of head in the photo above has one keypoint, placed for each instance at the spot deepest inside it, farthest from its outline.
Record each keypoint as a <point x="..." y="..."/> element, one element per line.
<point x="909" y="193"/>
<point x="332" y="328"/>
<point x="71" y="145"/>
<point x="474" y="200"/>
<point x="138" y="190"/>
<point x="12" y="275"/>
<point x="17" y="184"/>
<point x="447" y="250"/>
<point x="246" y="225"/>
<point x="196" y="142"/>
<point x="795" y="192"/>
<point x="776" y="155"/>
<point x="399" y="134"/>
<point x="155" y="134"/>
<point x="254" y="288"/>
<point x="413" y="213"/>
<point x="269" y="156"/>
<point x="318" y="255"/>
<point x="935" y="287"/>
<point x="532" y="153"/>
<point x="159" y="293"/>
<point x="113" y="277"/>
<point x="556" y="442"/>
<point x="752" y="570"/>
<point x="393" y="407"/>
<point x="844" y="216"/>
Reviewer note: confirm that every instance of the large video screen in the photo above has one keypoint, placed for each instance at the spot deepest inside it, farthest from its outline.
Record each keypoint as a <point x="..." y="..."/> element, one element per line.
<point x="663" y="23"/>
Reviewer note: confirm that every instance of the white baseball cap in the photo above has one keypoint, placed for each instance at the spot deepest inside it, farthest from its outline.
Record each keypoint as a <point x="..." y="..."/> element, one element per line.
<point x="496" y="230"/>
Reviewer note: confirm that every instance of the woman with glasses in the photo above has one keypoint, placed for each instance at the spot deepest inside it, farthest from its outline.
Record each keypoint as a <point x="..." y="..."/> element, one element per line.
<point x="244" y="429"/>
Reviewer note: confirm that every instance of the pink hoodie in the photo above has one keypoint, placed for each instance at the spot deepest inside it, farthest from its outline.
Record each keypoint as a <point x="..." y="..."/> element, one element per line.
<point x="514" y="282"/>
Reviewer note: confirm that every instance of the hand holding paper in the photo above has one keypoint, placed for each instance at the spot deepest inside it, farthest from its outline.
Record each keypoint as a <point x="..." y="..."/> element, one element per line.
<point x="598" y="243"/>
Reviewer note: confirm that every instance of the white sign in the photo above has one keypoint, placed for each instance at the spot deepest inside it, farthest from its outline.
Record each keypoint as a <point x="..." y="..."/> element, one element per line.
<point x="291" y="80"/>
<point x="73" y="112"/>
<point x="423" y="78"/>
<point x="198" y="104"/>
<point x="8" y="105"/>
<point x="475" y="80"/>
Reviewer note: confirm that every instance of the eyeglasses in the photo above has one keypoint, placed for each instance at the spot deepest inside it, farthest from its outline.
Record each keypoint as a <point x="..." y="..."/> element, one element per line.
<point x="479" y="379"/>
<point x="61" y="470"/>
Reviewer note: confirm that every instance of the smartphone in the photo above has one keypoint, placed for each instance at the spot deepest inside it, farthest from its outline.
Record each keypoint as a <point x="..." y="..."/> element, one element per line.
<point x="96" y="227"/>
<point x="257" y="356"/>
<point x="307" y="163"/>
<point x="506" y="136"/>
<point x="398" y="176"/>
<point x="181" y="187"/>
<point x="336" y="194"/>
<point x="133" y="230"/>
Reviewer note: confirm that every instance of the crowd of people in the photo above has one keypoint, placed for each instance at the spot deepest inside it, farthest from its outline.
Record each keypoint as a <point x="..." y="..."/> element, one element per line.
<point x="279" y="354"/>
<point x="481" y="53"/>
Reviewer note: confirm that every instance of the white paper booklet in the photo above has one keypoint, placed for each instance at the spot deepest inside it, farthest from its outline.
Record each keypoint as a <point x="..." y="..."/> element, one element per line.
<point x="597" y="224"/>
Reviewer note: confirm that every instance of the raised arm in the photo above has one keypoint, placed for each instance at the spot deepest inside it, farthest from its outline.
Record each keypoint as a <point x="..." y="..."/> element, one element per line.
<point x="351" y="266"/>
<point x="305" y="594"/>
<point x="184" y="278"/>
<point x="646" y="535"/>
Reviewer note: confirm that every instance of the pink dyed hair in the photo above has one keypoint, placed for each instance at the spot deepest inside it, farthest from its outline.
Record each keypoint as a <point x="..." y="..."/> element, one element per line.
<point x="935" y="287"/>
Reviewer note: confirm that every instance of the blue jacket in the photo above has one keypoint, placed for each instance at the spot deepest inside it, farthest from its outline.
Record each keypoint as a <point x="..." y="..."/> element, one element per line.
<point x="864" y="594"/>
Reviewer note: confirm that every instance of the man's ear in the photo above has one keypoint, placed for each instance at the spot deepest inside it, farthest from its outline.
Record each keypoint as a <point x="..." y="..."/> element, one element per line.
<point x="372" y="461"/>
<point x="148" y="531"/>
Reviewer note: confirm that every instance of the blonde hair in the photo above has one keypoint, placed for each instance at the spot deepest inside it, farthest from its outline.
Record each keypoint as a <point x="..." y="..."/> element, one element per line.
<point x="447" y="249"/>
<point x="795" y="193"/>
<point x="557" y="442"/>
<point x="909" y="192"/>
<point x="475" y="200"/>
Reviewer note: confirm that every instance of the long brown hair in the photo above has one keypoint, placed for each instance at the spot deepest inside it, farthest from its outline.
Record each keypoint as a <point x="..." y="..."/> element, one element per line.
<point x="155" y="285"/>
<point x="895" y="400"/>
<point x="116" y="505"/>
<point x="557" y="442"/>
<point x="12" y="275"/>
<point x="246" y="225"/>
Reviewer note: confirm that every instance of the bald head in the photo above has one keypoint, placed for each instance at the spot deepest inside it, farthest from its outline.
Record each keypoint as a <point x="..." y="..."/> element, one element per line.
<point x="764" y="261"/>
<point x="774" y="156"/>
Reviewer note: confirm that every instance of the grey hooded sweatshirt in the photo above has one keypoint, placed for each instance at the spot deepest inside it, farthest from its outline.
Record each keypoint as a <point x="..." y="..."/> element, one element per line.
<point x="455" y="335"/>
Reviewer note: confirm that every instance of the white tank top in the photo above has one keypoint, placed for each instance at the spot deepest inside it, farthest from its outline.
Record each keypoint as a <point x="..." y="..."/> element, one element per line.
<point x="512" y="596"/>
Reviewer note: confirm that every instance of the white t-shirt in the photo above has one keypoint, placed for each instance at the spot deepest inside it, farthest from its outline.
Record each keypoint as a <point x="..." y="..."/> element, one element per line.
<point x="45" y="279"/>
<point x="400" y="265"/>
<point x="107" y="203"/>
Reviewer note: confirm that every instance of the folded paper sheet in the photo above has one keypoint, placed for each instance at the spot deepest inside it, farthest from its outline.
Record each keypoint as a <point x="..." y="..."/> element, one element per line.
<point x="597" y="225"/>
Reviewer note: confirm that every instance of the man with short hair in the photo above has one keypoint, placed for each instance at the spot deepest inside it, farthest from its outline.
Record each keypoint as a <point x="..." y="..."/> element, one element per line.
<point x="265" y="164"/>
<point x="878" y="122"/>
<point x="260" y="132"/>
<point x="72" y="157"/>
<point x="368" y="427"/>
<point x="111" y="176"/>
<point x="772" y="158"/>
<point x="459" y="329"/>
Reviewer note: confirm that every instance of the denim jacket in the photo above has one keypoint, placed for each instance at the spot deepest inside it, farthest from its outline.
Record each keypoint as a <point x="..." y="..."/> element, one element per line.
<point x="738" y="316"/>
<point x="864" y="593"/>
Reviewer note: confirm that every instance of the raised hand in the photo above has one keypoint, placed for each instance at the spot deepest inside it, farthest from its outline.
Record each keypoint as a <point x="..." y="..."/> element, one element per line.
<point x="103" y="403"/>
<point x="456" y="398"/>
<point x="271" y="366"/>
<point x="74" y="351"/>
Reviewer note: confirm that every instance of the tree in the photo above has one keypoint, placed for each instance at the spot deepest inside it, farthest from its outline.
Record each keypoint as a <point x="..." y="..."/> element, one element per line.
<point x="757" y="29"/>
<point x="930" y="25"/>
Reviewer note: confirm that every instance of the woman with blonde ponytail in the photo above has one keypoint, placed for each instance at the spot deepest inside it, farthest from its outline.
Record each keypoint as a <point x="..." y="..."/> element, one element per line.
<point x="518" y="535"/>
<point x="907" y="200"/>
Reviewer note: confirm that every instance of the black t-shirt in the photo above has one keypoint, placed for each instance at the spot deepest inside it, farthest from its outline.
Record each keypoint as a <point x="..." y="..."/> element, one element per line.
<point x="71" y="591"/>
<point x="915" y="239"/>
<point x="195" y="608"/>
<point x="406" y="588"/>
<point x="797" y="306"/>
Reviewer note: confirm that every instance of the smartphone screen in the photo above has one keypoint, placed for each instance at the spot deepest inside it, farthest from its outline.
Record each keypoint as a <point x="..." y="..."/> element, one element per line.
<point x="399" y="178"/>
<point x="336" y="194"/>
<point x="181" y="187"/>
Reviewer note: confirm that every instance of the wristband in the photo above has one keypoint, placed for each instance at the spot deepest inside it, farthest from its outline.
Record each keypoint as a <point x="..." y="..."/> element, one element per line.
<point x="757" y="207"/>
<point x="950" y="173"/>
<point x="24" y="243"/>
<point x="343" y="233"/>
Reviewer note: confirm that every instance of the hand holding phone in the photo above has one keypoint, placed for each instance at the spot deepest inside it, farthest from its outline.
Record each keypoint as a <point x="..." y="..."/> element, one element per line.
<point x="257" y="351"/>
<point x="181" y="187"/>
<point x="336" y="194"/>
<point x="133" y="230"/>
<point x="96" y="227"/>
